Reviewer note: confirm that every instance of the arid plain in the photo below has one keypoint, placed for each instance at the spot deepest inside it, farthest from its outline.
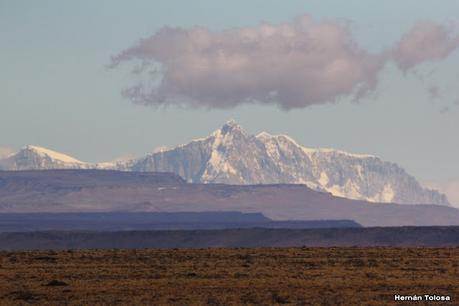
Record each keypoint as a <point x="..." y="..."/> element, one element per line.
<point x="265" y="276"/>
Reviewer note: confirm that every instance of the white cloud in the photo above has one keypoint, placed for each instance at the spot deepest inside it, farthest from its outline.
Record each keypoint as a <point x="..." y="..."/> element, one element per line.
<point x="427" y="41"/>
<point x="292" y="65"/>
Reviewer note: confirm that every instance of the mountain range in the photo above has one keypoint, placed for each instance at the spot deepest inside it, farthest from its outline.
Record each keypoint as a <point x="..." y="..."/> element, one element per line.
<point x="232" y="156"/>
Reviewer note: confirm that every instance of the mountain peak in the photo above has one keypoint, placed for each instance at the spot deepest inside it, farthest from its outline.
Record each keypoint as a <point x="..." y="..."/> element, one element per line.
<point x="231" y="122"/>
<point x="231" y="126"/>
<point x="52" y="154"/>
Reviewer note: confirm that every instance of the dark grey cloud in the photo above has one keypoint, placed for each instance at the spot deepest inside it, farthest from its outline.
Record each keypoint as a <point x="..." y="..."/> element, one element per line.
<point x="292" y="65"/>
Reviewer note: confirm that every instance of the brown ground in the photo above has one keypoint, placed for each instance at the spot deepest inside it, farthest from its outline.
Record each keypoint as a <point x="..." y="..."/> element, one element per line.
<point x="295" y="276"/>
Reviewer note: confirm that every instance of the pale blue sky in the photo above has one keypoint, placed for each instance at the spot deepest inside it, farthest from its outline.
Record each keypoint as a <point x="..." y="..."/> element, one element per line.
<point x="56" y="92"/>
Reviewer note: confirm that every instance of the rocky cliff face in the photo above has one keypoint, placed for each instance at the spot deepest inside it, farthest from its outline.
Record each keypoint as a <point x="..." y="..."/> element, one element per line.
<point x="231" y="156"/>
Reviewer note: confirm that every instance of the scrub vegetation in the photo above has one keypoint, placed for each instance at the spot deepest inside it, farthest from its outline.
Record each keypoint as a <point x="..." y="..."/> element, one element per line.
<point x="264" y="276"/>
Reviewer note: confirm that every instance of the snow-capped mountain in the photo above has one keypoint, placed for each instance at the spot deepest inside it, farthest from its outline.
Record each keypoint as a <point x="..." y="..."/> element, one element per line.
<point x="34" y="157"/>
<point x="230" y="155"/>
<point x="39" y="158"/>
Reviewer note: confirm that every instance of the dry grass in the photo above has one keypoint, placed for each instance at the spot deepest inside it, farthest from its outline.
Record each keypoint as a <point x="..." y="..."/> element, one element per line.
<point x="290" y="276"/>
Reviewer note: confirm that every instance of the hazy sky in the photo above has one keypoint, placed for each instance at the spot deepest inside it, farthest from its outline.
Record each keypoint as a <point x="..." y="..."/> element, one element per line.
<point x="57" y="91"/>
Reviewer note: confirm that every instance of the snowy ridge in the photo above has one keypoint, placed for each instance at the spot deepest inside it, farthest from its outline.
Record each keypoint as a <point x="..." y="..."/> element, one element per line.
<point x="231" y="156"/>
<point x="53" y="155"/>
<point x="38" y="158"/>
<point x="263" y="136"/>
